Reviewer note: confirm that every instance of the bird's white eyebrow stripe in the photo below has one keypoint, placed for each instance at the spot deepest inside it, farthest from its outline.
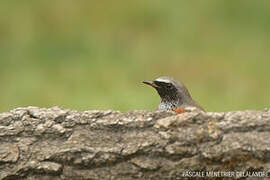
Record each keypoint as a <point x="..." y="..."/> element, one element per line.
<point x="163" y="80"/>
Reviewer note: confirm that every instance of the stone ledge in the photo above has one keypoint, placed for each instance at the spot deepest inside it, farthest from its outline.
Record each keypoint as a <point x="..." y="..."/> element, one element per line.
<point x="55" y="143"/>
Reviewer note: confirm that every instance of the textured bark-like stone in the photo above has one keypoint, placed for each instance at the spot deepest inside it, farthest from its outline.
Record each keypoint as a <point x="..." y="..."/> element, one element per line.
<point x="39" y="143"/>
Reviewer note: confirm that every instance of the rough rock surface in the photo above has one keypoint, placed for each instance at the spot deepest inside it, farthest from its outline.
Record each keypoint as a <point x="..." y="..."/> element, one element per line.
<point x="54" y="143"/>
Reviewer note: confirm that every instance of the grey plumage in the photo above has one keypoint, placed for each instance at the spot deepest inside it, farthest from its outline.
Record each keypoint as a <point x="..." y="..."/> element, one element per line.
<point x="173" y="94"/>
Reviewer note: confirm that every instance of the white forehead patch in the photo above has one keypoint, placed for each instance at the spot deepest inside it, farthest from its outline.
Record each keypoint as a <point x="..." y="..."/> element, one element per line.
<point x="163" y="80"/>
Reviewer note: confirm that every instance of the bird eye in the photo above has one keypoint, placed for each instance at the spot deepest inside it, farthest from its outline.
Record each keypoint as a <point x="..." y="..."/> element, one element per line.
<point x="169" y="86"/>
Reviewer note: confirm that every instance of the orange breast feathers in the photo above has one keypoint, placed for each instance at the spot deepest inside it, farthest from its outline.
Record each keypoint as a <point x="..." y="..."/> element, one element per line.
<point x="179" y="110"/>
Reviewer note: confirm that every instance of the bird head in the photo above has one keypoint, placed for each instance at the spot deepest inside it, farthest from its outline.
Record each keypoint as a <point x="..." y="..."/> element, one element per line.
<point x="170" y="90"/>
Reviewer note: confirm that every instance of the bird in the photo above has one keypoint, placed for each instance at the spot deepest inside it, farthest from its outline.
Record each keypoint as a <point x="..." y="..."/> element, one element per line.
<point x="174" y="95"/>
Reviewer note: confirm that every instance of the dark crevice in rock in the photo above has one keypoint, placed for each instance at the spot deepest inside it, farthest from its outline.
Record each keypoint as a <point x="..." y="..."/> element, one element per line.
<point x="247" y="129"/>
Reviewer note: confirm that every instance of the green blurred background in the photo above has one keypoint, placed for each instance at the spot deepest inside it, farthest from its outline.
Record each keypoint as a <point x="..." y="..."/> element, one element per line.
<point x="94" y="54"/>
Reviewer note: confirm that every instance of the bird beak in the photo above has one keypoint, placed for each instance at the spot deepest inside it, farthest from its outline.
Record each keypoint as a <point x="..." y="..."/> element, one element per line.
<point x="150" y="83"/>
